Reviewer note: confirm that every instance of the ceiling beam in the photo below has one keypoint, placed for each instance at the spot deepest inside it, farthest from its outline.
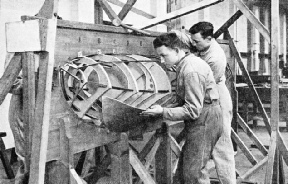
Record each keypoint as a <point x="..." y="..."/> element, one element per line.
<point x="179" y="13"/>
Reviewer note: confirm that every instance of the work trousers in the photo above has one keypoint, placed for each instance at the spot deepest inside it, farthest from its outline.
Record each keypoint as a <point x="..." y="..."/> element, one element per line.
<point x="201" y="137"/>
<point x="223" y="153"/>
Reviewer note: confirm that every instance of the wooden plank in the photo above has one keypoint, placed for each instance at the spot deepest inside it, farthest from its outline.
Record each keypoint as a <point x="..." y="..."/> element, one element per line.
<point x="163" y="158"/>
<point x="178" y="13"/>
<point x="274" y="44"/>
<point x="120" y="168"/>
<point x="40" y="132"/>
<point x="244" y="148"/>
<point x="150" y="157"/>
<point x="66" y="148"/>
<point x="254" y="20"/>
<point x="75" y="178"/>
<point x="252" y="136"/>
<point x="271" y="156"/>
<point x="29" y="98"/>
<point x="8" y="58"/>
<point x="227" y="24"/>
<point x="148" y="146"/>
<point x="248" y="80"/>
<point x="49" y="9"/>
<point x="126" y="8"/>
<point x="10" y="74"/>
<point x="272" y="168"/>
<point x="98" y="13"/>
<point x="23" y="36"/>
<point x="85" y="136"/>
<point x="108" y="39"/>
<point x="140" y="169"/>
<point x="176" y="148"/>
<point x="42" y="109"/>
<point x="253" y="170"/>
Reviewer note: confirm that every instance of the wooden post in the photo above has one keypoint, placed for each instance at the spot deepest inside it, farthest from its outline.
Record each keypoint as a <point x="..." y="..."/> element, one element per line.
<point x="66" y="152"/>
<point x="163" y="159"/>
<point x="120" y="165"/>
<point x="28" y="73"/>
<point x="273" y="156"/>
<point x="43" y="101"/>
<point x="98" y="13"/>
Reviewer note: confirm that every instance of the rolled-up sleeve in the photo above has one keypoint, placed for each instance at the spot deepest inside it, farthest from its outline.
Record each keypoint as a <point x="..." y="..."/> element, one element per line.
<point x="194" y="97"/>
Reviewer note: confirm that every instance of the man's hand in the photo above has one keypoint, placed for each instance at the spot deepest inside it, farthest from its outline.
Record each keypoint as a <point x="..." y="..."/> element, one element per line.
<point x="153" y="111"/>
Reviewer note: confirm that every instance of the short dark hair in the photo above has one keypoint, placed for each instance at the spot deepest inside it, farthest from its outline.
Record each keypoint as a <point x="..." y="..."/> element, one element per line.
<point x="170" y="40"/>
<point x="204" y="28"/>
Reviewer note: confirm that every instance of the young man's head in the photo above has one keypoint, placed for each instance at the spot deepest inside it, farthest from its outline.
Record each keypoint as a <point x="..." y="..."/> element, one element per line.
<point x="201" y="35"/>
<point x="170" y="48"/>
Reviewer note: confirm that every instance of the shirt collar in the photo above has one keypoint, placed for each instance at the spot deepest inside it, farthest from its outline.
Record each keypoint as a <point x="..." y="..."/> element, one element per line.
<point x="180" y="63"/>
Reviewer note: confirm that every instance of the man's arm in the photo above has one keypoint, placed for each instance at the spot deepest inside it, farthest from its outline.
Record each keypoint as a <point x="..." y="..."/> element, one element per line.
<point x="194" y="97"/>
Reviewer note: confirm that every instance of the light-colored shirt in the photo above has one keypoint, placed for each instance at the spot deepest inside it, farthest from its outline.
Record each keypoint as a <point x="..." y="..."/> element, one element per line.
<point x="195" y="86"/>
<point x="216" y="59"/>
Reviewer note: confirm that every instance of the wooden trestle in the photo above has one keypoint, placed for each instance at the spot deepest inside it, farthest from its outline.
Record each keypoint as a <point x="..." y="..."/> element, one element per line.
<point x="55" y="133"/>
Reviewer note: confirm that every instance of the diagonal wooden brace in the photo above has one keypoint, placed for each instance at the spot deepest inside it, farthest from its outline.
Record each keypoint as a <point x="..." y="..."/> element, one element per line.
<point x="254" y="20"/>
<point x="115" y="19"/>
<point x="126" y="8"/>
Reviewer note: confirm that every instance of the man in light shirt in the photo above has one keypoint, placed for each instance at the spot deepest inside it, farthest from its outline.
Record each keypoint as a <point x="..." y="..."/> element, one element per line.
<point x="211" y="52"/>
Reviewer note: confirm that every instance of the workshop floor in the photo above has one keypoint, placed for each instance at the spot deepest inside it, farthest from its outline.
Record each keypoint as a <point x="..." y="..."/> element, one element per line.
<point x="242" y="163"/>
